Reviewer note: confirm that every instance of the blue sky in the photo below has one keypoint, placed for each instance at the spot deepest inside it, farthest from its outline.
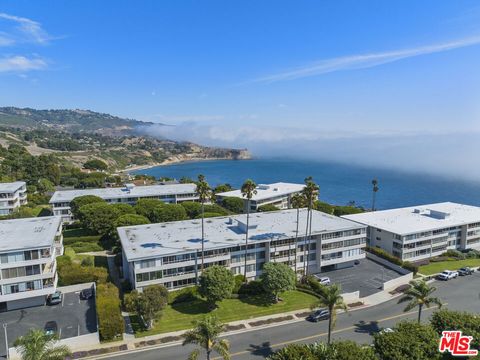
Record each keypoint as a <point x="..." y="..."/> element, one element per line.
<point x="249" y="73"/>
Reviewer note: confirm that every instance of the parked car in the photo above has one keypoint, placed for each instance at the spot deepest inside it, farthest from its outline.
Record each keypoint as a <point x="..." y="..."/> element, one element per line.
<point x="465" y="271"/>
<point x="447" y="275"/>
<point x="55" y="298"/>
<point x="51" y="328"/>
<point x="318" y="315"/>
<point x="324" y="280"/>
<point x="86" y="294"/>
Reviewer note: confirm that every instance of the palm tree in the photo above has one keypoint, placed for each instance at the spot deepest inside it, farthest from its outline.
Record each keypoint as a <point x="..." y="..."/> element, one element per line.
<point x="419" y="295"/>
<point x="310" y="192"/>
<point x="248" y="190"/>
<point x="329" y="297"/>
<point x="374" y="190"/>
<point x="204" y="193"/>
<point x="298" y="201"/>
<point x="36" y="345"/>
<point x="205" y="334"/>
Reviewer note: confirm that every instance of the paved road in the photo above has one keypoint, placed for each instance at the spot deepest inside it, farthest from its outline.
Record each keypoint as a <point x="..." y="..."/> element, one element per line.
<point x="460" y="294"/>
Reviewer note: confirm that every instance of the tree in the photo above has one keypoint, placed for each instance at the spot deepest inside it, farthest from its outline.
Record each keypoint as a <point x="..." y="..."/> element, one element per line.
<point x="277" y="278"/>
<point x="419" y="295"/>
<point x="329" y="297"/>
<point x="204" y="193"/>
<point x="99" y="217"/>
<point x="467" y="323"/>
<point x="130" y="220"/>
<point x="310" y="193"/>
<point x="123" y="209"/>
<point x="233" y="204"/>
<point x="44" y="186"/>
<point x="36" y="345"/>
<point x="216" y="284"/>
<point x="192" y="208"/>
<point x="147" y="304"/>
<point x="205" y="334"/>
<point x="298" y="201"/>
<point x="338" y="350"/>
<point x="95" y="164"/>
<point x="248" y="190"/>
<point x="168" y="212"/>
<point x="222" y="188"/>
<point x="375" y="188"/>
<point x="145" y="207"/>
<point x="409" y="340"/>
<point x="267" y="207"/>
<point x="80" y="201"/>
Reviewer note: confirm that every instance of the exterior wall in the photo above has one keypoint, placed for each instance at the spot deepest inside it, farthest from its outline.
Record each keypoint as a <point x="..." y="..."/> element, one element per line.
<point x="12" y="200"/>
<point x="394" y="283"/>
<point x="180" y="270"/>
<point x="281" y="202"/>
<point x="25" y="303"/>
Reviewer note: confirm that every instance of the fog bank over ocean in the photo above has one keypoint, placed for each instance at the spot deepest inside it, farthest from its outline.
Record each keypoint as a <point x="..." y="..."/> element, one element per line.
<point x="450" y="154"/>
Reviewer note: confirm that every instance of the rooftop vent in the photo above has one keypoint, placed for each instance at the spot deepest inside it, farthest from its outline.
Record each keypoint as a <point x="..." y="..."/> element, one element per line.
<point x="263" y="187"/>
<point x="151" y="245"/>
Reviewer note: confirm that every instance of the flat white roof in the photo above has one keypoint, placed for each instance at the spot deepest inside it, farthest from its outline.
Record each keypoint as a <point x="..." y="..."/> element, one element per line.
<point x="420" y="218"/>
<point x="146" y="241"/>
<point x="266" y="191"/>
<point x="28" y="233"/>
<point x="125" y="192"/>
<point x="12" y="186"/>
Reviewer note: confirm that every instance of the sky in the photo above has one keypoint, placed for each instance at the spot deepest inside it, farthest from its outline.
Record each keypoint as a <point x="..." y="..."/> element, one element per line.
<point x="393" y="83"/>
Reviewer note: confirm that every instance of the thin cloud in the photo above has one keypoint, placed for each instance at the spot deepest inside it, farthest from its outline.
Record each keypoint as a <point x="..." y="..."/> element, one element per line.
<point x="21" y="64"/>
<point x="363" y="61"/>
<point x="25" y="30"/>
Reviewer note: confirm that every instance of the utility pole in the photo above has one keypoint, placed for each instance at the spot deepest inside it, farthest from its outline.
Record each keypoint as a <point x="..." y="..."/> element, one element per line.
<point x="6" y="340"/>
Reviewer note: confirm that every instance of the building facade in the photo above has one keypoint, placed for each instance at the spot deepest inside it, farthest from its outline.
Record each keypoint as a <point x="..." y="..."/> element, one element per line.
<point x="277" y="194"/>
<point x="170" y="253"/>
<point x="130" y="194"/>
<point x="421" y="232"/>
<point x="12" y="196"/>
<point x="28" y="269"/>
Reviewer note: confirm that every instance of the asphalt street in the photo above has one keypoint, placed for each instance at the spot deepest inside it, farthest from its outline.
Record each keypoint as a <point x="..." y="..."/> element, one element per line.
<point x="462" y="293"/>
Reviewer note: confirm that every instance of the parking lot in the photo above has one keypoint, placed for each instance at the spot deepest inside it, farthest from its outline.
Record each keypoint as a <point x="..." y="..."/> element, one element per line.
<point x="366" y="277"/>
<point x="73" y="316"/>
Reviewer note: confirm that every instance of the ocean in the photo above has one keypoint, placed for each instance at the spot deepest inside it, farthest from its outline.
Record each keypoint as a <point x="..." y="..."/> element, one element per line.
<point x="339" y="183"/>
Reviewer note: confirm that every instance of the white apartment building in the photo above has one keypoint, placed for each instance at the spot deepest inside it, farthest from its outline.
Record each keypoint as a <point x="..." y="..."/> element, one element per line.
<point x="277" y="194"/>
<point x="170" y="253"/>
<point x="420" y="232"/>
<point x="12" y="196"/>
<point x="173" y="193"/>
<point x="28" y="270"/>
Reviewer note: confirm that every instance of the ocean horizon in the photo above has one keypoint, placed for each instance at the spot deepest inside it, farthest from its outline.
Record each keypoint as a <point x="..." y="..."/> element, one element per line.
<point x="339" y="183"/>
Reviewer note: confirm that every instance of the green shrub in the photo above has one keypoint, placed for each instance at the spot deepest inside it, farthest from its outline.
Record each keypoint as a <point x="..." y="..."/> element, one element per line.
<point x="384" y="255"/>
<point x="110" y="320"/>
<point x="233" y="204"/>
<point x="87" y="261"/>
<point x="184" y="295"/>
<point x="71" y="274"/>
<point x="239" y="281"/>
<point x="86" y="247"/>
<point x="208" y="215"/>
<point x="454" y="253"/>
<point x="253" y="287"/>
<point x="81" y="239"/>
<point x="77" y="231"/>
<point x="267" y="207"/>
<point x="473" y="254"/>
<point x="410" y="267"/>
<point x="468" y="323"/>
<point x="215" y="208"/>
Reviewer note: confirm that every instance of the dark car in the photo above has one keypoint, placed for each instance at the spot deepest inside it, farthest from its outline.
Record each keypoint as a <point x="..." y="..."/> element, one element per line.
<point x="86" y="294"/>
<point x="465" y="271"/>
<point x="55" y="298"/>
<point x="51" y="328"/>
<point x="318" y="315"/>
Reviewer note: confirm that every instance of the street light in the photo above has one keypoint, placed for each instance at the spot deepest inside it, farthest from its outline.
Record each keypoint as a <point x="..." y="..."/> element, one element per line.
<point x="6" y="340"/>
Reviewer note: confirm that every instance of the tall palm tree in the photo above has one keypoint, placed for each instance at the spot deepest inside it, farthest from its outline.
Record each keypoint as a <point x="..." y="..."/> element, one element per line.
<point x="248" y="190"/>
<point x="205" y="334"/>
<point x="298" y="201"/>
<point x="419" y="295"/>
<point x="205" y="194"/>
<point x="310" y="192"/>
<point x="375" y="188"/>
<point x="329" y="297"/>
<point x="36" y="345"/>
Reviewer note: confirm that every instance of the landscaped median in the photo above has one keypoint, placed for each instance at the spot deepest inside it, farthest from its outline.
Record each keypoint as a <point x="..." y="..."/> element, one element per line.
<point x="179" y="316"/>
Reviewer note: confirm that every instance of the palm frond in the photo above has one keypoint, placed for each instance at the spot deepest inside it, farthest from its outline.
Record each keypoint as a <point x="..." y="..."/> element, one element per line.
<point x="222" y="347"/>
<point x="194" y="355"/>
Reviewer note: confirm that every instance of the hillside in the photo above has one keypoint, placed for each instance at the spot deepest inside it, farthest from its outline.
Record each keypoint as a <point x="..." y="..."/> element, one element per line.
<point x="76" y="136"/>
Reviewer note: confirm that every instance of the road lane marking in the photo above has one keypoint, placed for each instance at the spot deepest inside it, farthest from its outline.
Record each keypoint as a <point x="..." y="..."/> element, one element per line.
<point x="244" y="352"/>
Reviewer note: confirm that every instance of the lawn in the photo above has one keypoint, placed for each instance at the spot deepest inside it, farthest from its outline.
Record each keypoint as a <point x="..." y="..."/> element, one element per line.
<point x="180" y="316"/>
<point x="436" y="267"/>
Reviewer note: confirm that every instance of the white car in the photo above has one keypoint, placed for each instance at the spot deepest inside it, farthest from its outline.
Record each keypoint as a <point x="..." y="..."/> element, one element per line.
<point x="447" y="275"/>
<point x="323" y="280"/>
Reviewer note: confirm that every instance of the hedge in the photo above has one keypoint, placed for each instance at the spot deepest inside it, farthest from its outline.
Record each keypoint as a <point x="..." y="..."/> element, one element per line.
<point x="393" y="259"/>
<point x="82" y="247"/>
<point x="71" y="272"/>
<point x="110" y="319"/>
<point x="81" y="239"/>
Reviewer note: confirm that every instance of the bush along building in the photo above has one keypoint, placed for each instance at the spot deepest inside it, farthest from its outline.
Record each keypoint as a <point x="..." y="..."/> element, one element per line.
<point x="420" y="232"/>
<point x="130" y="194"/>
<point x="28" y="251"/>
<point x="170" y="253"/>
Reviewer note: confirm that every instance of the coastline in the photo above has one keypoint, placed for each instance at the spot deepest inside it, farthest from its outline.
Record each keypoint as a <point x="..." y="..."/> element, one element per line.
<point x="175" y="161"/>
